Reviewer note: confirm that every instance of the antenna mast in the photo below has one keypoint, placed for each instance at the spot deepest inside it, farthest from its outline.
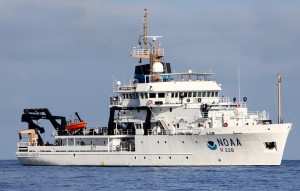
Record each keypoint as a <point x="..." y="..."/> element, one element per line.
<point x="145" y="29"/>
<point x="279" y="99"/>
<point x="239" y="81"/>
<point x="154" y="53"/>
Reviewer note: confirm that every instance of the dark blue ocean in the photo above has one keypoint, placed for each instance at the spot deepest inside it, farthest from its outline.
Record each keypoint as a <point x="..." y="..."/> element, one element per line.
<point x="14" y="176"/>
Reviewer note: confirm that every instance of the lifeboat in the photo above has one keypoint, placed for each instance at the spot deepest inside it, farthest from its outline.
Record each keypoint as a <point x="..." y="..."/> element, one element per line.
<point x="76" y="124"/>
<point x="72" y="126"/>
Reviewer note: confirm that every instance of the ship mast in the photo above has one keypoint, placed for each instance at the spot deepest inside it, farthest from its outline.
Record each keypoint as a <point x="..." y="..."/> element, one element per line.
<point x="154" y="53"/>
<point x="145" y="29"/>
<point x="279" y="99"/>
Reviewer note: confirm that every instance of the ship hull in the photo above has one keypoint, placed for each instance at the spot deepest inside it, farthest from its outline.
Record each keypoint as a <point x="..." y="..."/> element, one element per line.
<point x="224" y="146"/>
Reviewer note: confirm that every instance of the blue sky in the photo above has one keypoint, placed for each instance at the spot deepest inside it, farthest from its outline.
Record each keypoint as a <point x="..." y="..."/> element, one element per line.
<point x="63" y="54"/>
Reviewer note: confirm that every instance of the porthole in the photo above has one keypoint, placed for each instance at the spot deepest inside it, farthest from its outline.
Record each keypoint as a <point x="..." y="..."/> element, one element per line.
<point x="134" y="157"/>
<point x="187" y="157"/>
<point x="144" y="157"/>
<point x="158" y="157"/>
<point x="165" y="141"/>
<point x="182" y="141"/>
<point x="170" y="157"/>
<point x="158" y="142"/>
<point x="196" y="141"/>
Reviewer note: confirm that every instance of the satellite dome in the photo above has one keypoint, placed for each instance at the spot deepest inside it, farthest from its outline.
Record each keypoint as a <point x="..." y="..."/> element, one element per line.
<point x="158" y="67"/>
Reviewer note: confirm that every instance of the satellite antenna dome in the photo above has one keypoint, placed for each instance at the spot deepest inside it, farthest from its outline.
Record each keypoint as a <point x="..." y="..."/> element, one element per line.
<point x="158" y="67"/>
<point x="118" y="83"/>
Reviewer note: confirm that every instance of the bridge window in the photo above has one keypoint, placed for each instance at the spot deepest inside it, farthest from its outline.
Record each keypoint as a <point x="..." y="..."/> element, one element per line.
<point x="172" y="95"/>
<point x="146" y="95"/>
<point x="203" y="94"/>
<point x="142" y="95"/>
<point x="208" y="94"/>
<point x="176" y="94"/>
<point x="217" y="94"/>
<point x="212" y="94"/>
<point x="130" y="96"/>
<point x="152" y="95"/>
<point x="161" y="95"/>
<point x="189" y="94"/>
<point x="138" y="126"/>
<point x="194" y="94"/>
<point x="183" y="94"/>
<point x="199" y="94"/>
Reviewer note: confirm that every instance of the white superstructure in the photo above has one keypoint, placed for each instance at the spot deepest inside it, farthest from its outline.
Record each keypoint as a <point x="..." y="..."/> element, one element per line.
<point x="161" y="119"/>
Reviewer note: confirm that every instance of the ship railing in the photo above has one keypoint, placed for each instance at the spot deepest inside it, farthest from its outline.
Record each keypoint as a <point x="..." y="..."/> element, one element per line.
<point x="258" y="114"/>
<point x="227" y="101"/>
<point x="224" y="99"/>
<point x="23" y="144"/>
<point x="77" y="148"/>
<point x="55" y="133"/>
<point x="188" y="132"/>
<point x="126" y="117"/>
<point x="120" y="148"/>
<point x="159" y="132"/>
<point x="174" y="132"/>
<point x="174" y="77"/>
<point x="124" y="132"/>
<point x="88" y="132"/>
<point x="167" y="77"/>
<point x="242" y="104"/>
<point x="70" y="148"/>
<point x="142" y="51"/>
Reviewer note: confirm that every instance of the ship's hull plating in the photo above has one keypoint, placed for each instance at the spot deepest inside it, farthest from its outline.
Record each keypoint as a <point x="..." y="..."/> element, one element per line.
<point x="224" y="146"/>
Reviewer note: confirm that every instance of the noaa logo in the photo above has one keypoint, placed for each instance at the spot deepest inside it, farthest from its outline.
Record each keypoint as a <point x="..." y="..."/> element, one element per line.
<point x="211" y="145"/>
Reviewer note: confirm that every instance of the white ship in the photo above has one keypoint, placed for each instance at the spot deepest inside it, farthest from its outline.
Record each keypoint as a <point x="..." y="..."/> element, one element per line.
<point x="161" y="119"/>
